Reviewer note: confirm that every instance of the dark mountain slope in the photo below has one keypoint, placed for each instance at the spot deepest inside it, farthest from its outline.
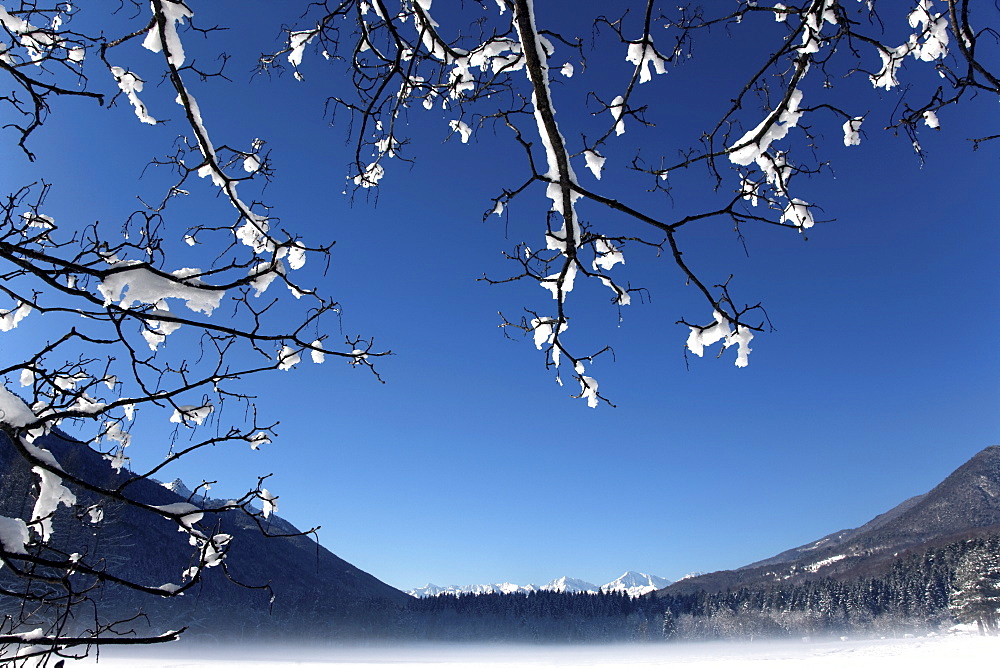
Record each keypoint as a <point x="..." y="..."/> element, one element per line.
<point x="312" y="587"/>
<point x="965" y="503"/>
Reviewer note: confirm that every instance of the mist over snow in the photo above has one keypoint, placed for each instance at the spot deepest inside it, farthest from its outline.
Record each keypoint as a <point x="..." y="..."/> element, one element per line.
<point x="963" y="649"/>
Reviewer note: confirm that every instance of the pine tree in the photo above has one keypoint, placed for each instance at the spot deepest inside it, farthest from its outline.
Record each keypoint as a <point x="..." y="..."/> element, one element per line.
<point x="975" y="594"/>
<point x="669" y="625"/>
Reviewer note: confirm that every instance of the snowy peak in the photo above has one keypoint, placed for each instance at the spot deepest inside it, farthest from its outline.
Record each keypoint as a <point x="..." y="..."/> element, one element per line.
<point x="631" y="583"/>
<point x="571" y="585"/>
<point x="636" y="584"/>
<point x="430" y="589"/>
<point x="178" y="487"/>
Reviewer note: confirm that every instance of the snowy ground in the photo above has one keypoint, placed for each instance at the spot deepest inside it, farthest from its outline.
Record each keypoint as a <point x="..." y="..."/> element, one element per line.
<point x="957" y="650"/>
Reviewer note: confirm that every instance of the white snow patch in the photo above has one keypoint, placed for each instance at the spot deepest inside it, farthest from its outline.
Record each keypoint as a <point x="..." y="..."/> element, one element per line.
<point x="13" y="410"/>
<point x="187" y="513"/>
<point x="187" y="415"/>
<point x="721" y="331"/>
<point x="131" y="85"/>
<point x="777" y="124"/>
<point x="269" y="502"/>
<point x="616" y="107"/>
<point x="852" y="131"/>
<point x="51" y="493"/>
<point x="10" y="319"/>
<point x="287" y="358"/>
<point x="13" y="535"/>
<point x="462" y="129"/>
<point x="812" y="568"/>
<point x="595" y="162"/>
<point x="643" y="55"/>
<point x="141" y="285"/>
<point x="174" y="13"/>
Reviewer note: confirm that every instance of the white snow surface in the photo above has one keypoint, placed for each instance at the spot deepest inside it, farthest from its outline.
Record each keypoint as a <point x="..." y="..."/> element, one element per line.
<point x="962" y="649"/>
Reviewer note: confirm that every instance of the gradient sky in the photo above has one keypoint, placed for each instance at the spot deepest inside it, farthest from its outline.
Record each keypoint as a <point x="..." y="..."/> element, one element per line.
<point x="470" y="465"/>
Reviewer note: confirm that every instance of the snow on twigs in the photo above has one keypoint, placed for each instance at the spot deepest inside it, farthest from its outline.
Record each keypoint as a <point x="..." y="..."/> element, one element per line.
<point x="931" y="43"/>
<point x="750" y="146"/>
<point x="852" y="131"/>
<point x="616" y="108"/>
<point x="287" y="358"/>
<point x="131" y="85"/>
<point x="173" y="13"/>
<point x="607" y="256"/>
<point x="720" y="330"/>
<point x="13" y="535"/>
<point x="13" y="411"/>
<point x="588" y="391"/>
<point x="797" y="213"/>
<point x="595" y="162"/>
<point x="269" y="502"/>
<point x="51" y="493"/>
<point x="560" y="283"/>
<point x="643" y="55"/>
<point x="318" y="356"/>
<point x="188" y="415"/>
<point x="10" y="319"/>
<point x="462" y="129"/>
<point x="259" y="439"/>
<point x="297" y="45"/>
<point x="187" y="514"/>
<point x="143" y="285"/>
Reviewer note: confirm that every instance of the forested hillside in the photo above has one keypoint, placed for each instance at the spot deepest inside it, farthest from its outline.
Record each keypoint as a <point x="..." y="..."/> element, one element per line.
<point x="911" y="595"/>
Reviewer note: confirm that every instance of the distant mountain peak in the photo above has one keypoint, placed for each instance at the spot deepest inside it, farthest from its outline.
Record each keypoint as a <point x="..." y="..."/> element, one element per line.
<point x="430" y="590"/>
<point x="636" y="584"/>
<point x="631" y="583"/>
<point x="568" y="584"/>
<point x="178" y="487"/>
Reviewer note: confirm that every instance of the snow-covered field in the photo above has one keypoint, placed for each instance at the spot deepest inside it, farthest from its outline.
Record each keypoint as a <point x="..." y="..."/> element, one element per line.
<point x="955" y="650"/>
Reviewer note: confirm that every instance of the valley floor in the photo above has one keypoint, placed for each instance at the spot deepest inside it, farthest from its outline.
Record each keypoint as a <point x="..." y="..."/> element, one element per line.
<point x="961" y="649"/>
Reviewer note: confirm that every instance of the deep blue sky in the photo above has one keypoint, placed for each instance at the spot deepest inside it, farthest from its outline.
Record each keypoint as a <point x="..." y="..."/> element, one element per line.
<point x="470" y="465"/>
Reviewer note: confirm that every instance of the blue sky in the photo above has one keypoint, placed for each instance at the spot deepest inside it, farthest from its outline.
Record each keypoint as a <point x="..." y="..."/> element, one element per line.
<point x="469" y="464"/>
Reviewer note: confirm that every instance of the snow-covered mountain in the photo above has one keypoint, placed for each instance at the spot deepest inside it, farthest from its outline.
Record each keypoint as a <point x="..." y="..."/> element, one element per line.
<point x="571" y="585"/>
<point x="632" y="583"/>
<point x="177" y="487"/>
<point x="965" y="504"/>
<point x="431" y="589"/>
<point x="636" y="584"/>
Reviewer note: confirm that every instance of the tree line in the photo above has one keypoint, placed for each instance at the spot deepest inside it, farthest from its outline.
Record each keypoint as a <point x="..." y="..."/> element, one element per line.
<point x="918" y="593"/>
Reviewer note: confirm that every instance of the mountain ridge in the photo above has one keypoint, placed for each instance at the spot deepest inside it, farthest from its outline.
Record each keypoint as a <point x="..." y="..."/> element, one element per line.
<point x="965" y="503"/>
<point x="307" y="581"/>
<point x="632" y="583"/>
